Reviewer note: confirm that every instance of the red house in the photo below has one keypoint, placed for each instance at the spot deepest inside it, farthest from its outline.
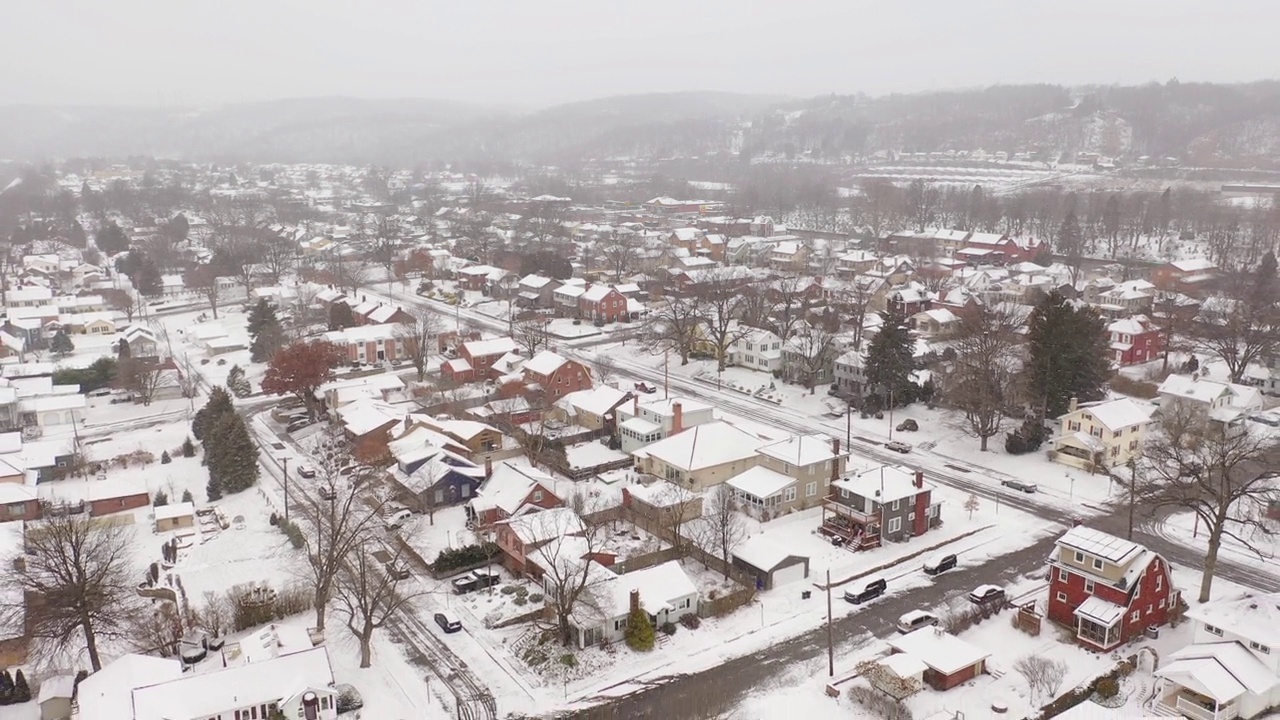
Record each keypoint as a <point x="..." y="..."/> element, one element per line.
<point x="556" y="375"/>
<point x="510" y="491"/>
<point x="18" y="502"/>
<point x="603" y="304"/>
<point x="1135" y="340"/>
<point x="476" y="358"/>
<point x="1106" y="588"/>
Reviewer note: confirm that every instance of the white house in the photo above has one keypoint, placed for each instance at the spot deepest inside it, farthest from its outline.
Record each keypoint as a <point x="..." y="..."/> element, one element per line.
<point x="642" y="423"/>
<point x="1232" y="666"/>
<point x="663" y="591"/>
<point x="757" y="349"/>
<point x="1222" y="403"/>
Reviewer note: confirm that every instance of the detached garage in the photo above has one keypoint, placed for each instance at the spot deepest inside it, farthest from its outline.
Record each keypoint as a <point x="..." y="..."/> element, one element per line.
<point x="770" y="563"/>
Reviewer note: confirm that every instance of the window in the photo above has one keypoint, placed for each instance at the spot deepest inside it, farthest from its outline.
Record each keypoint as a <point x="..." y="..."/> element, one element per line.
<point x="1079" y="557"/>
<point x="894" y="505"/>
<point x="1259" y="647"/>
<point x="1161" y="603"/>
<point x="1159" y="581"/>
<point x="1148" y="612"/>
<point x="1213" y="630"/>
<point x="790" y="494"/>
<point x="1134" y="616"/>
<point x="895" y="524"/>
<point x="811" y="489"/>
<point x="1097" y="563"/>
<point x="537" y="496"/>
<point x="911" y="518"/>
<point x="1088" y="586"/>
<point x="1062" y="597"/>
<point x="1062" y="575"/>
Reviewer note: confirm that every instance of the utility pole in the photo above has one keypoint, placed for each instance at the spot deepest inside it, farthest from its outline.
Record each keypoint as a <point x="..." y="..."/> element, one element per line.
<point x="831" y="648"/>
<point x="666" y="374"/>
<point x="1133" y="490"/>
<point x="848" y="426"/>
<point x="286" y="486"/>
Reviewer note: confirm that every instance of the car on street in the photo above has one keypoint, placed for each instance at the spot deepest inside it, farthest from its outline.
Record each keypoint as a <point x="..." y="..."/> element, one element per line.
<point x="1019" y="486"/>
<point x="397" y="519"/>
<point x="448" y="622"/>
<point x="1270" y="418"/>
<point x="939" y="564"/>
<point x="646" y="388"/>
<point x="898" y="447"/>
<point x="306" y="471"/>
<point x="865" y="590"/>
<point x="987" y="595"/>
<point x="916" y="619"/>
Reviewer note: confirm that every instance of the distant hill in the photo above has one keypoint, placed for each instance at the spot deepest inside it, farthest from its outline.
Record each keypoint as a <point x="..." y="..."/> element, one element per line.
<point x="1198" y="123"/>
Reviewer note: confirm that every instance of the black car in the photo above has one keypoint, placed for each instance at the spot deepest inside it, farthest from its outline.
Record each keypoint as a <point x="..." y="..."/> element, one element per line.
<point x="940" y="564"/>
<point x="1019" y="485"/>
<point x="447" y="623"/>
<point x="864" y="591"/>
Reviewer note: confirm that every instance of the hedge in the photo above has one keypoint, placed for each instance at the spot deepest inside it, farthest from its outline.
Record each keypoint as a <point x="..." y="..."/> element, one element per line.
<point x="454" y="558"/>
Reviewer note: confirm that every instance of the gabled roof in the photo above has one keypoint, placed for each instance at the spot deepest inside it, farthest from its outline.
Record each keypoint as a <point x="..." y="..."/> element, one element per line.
<point x="545" y="363"/>
<point x="1118" y="414"/>
<point x="1197" y="389"/>
<point x="761" y="552"/>
<point x="884" y="484"/>
<point x="1252" y="616"/>
<point x="1224" y="671"/>
<point x="107" y="694"/>
<point x="939" y="649"/>
<point x="507" y="487"/>
<point x="704" y="446"/>
<point x="1099" y="544"/>
<point x="801" y="449"/>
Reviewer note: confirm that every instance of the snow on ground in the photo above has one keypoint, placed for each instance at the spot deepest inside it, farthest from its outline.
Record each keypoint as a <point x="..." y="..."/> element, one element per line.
<point x="1187" y="530"/>
<point x="571" y="329"/>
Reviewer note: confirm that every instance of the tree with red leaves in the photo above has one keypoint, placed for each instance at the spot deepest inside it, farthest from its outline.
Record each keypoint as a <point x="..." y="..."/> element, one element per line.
<point x="300" y="368"/>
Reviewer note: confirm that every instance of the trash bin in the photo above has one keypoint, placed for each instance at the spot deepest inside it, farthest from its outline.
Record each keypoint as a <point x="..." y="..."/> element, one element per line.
<point x="806" y="594"/>
<point x="1153" y="632"/>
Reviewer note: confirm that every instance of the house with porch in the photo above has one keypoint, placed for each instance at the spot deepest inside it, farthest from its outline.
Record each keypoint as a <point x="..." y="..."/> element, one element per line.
<point x="643" y="423"/>
<point x="872" y="505"/>
<point x="1231" y="669"/>
<point x="555" y="374"/>
<point x="792" y="474"/>
<point x="948" y="660"/>
<point x="664" y="592"/>
<point x="702" y="456"/>
<point x="1135" y="340"/>
<point x="522" y="536"/>
<point x="1100" y="435"/>
<point x="1108" y="589"/>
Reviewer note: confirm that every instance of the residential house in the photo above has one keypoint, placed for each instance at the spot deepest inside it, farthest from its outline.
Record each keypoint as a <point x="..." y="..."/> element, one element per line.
<point x="1135" y="340"/>
<point x="871" y="505"/>
<point x="594" y="408"/>
<point x="475" y="358"/>
<point x="18" y="501"/>
<point x="1231" y="669"/>
<point x="642" y="423"/>
<point x="1108" y="589"/>
<point x="565" y="299"/>
<point x="175" y="516"/>
<point x="850" y="373"/>
<point x="535" y="291"/>
<point x="555" y="374"/>
<point x="1191" y="276"/>
<point x="1222" y="405"/>
<point x="936" y="323"/>
<point x="757" y="349"/>
<point x="603" y="304"/>
<point x="948" y="660"/>
<point x="1100" y="435"/>
<point x="792" y="474"/>
<point x="809" y="357"/>
<point x="142" y="343"/>
<point x="909" y="299"/>
<point x="519" y="537"/>
<point x="368" y="344"/>
<point x="662" y="503"/>
<point x="510" y="491"/>
<point x="702" y="456"/>
<point x="770" y="562"/>
<point x="790" y="255"/>
<point x="55" y="697"/>
<point x="664" y="592"/>
<point x="480" y="442"/>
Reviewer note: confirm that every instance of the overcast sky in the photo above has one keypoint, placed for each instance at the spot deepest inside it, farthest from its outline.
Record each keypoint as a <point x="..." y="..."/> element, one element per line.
<point x="193" y="52"/>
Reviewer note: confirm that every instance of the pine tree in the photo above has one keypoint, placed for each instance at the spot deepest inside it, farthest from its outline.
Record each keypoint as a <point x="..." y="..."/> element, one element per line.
<point x="218" y="404"/>
<point x="6" y="688"/>
<point x="1069" y="354"/>
<point x="21" y="691"/>
<point x="237" y="383"/>
<point x="161" y="499"/>
<point x="640" y="635"/>
<point x="187" y="497"/>
<point x="165" y="458"/>
<point x="340" y="316"/>
<point x="110" y="239"/>
<point x="213" y="491"/>
<point x="265" y="330"/>
<point x="188" y="448"/>
<point x="891" y="359"/>
<point x="232" y="455"/>
<point x="61" y="344"/>
<point x="76" y="235"/>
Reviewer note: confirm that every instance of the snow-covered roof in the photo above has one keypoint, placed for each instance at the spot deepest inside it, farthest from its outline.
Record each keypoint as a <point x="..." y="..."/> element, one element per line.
<point x="1101" y="611"/>
<point x="1099" y="544"/>
<point x="1119" y="414"/>
<point x="884" y="484"/>
<point x="1252" y="616"/>
<point x="1223" y="671"/>
<point x="639" y="426"/>
<point x="366" y="415"/>
<point x="759" y="551"/>
<point x="596" y="293"/>
<point x="703" y="446"/>
<point x="539" y="527"/>
<point x="660" y="494"/>
<point x="904" y="665"/>
<point x="507" y="487"/>
<point x="534" y="281"/>
<point x="108" y="693"/>
<point x="1194" y="388"/>
<point x="940" y="650"/>
<point x="659" y="586"/>
<point x="802" y="449"/>
<point x="596" y="401"/>
<point x="1194" y="265"/>
<point x="175" y="510"/>
<point x="761" y="482"/>
<point x="545" y="363"/>
<point x="495" y="346"/>
<point x="58" y="686"/>
<point x="942" y="316"/>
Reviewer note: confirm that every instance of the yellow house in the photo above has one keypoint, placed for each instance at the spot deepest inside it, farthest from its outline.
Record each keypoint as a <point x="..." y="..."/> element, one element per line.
<point x="1101" y="435"/>
<point x="793" y="474"/>
<point x="702" y="456"/>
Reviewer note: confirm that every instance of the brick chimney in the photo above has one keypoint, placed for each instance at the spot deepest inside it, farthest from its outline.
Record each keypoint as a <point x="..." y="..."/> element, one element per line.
<point x="488" y="467"/>
<point x="677" y="418"/>
<point x="919" y="478"/>
<point x="635" y="600"/>
<point x="835" y="465"/>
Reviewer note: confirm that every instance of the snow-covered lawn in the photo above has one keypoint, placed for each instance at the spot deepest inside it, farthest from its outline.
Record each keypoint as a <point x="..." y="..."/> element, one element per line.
<point x="571" y="329"/>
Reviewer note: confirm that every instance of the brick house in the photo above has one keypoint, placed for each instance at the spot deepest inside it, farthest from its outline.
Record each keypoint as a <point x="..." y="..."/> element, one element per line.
<point x="556" y="375"/>
<point x="367" y="343"/>
<point x="509" y="491"/>
<point x="519" y="537"/>
<point x="476" y="358"/>
<point x="1135" y="340"/>
<point x="890" y="502"/>
<point x="1186" y="276"/>
<point x="1108" y="589"/>
<point x="18" y="502"/>
<point x="603" y="304"/>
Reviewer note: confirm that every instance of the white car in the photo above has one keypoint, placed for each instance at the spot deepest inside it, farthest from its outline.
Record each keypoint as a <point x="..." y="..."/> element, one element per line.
<point x="916" y="619"/>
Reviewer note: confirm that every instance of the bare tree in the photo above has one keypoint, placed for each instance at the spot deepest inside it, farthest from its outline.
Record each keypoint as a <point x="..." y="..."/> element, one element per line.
<point x="981" y="381"/>
<point x="673" y="326"/>
<point x="568" y="576"/>
<point x="855" y="302"/>
<point x="791" y="304"/>
<point x="887" y="682"/>
<point x="531" y="333"/>
<point x="720" y="298"/>
<point x="419" y="340"/>
<point x="215" y="616"/>
<point x="815" y="348"/>
<point x="124" y="301"/>
<point x="620" y="251"/>
<point x="606" y="368"/>
<point x="1242" y="325"/>
<point x="75" y="578"/>
<point x="279" y="258"/>
<point x="204" y="280"/>
<point x="920" y="203"/>
<point x="144" y="378"/>
<point x="879" y="205"/>
<point x="1224" y="477"/>
<point x="348" y="274"/>
<point x="723" y="527"/>
<point x="369" y="595"/>
<point x="1043" y="676"/>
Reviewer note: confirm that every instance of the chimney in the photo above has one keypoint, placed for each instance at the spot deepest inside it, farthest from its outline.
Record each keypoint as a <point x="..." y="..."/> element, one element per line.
<point x="835" y="465"/>
<point x="635" y="405"/>
<point x="919" y="479"/>
<point x="1072" y="404"/>
<point x="488" y="467"/>
<point x="310" y="706"/>
<point x="635" y="600"/>
<point x="677" y="418"/>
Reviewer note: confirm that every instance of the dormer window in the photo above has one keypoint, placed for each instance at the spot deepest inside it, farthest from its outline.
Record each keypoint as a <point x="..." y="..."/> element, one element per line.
<point x="1259" y="647"/>
<point x="1097" y="563"/>
<point x="1213" y="630"/>
<point x="1079" y="557"/>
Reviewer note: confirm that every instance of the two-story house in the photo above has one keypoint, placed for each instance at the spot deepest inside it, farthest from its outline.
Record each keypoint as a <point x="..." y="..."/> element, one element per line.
<point x="565" y="299"/>
<point x="536" y="291"/>
<point x="642" y="423"/>
<point x="851" y="373"/>
<point x="1231" y="669"/>
<point x="871" y="505"/>
<point x="555" y="374"/>
<point x="701" y="457"/>
<point x="519" y="537"/>
<point x="476" y="358"/>
<point x="1223" y="405"/>
<point x="1135" y="340"/>
<point x="594" y="408"/>
<point x="757" y="349"/>
<point x="603" y="304"/>
<point x="792" y="474"/>
<point x="1185" y="276"/>
<point x="368" y="343"/>
<point x="509" y="491"/>
<point x="1101" y="435"/>
<point x="1108" y="589"/>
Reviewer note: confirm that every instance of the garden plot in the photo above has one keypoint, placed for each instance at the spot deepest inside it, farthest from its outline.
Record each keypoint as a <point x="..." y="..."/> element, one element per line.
<point x="503" y="604"/>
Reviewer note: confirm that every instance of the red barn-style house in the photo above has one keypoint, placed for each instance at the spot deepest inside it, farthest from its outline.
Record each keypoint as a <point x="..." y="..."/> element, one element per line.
<point x="1135" y="340"/>
<point x="476" y="358"/>
<point x="556" y="375"/>
<point x="603" y="304"/>
<point x="1107" y="588"/>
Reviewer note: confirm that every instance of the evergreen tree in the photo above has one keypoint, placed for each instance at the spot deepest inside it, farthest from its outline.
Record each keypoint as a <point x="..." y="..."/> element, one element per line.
<point x="178" y="227"/>
<point x="21" y="691"/>
<point x="188" y="448"/>
<point x="218" y="404"/>
<point x="237" y="383"/>
<point x="161" y="498"/>
<point x="1069" y="354"/>
<point x="146" y="279"/>
<point x="110" y="239"/>
<point x="213" y="491"/>
<point x="232" y="455"/>
<point x="340" y="316"/>
<point x="165" y="458"/>
<point x="639" y="634"/>
<point x="6" y="688"/>
<point x="61" y="344"/>
<point x="265" y="329"/>
<point x="76" y="235"/>
<point x="891" y="359"/>
<point x="186" y="496"/>
<point x="123" y="351"/>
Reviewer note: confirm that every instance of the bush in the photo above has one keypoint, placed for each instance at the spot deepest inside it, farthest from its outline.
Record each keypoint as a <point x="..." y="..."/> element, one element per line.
<point x="274" y="519"/>
<point x="669" y="628"/>
<point x="569" y="660"/>
<point x="879" y="704"/>
<point x="521" y="600"/>
<point x="187" y="497"/>
<point x="164" y="458"/>
<point x="293" y="532"/>
<point x="1107" y="687"/>
<point x="508" y="590"/>
<point x="454" y="558"/>
<point x="161" y="498"/>
<point x="1134" y="388"/>
<point x="535" y="598"/>
<point x="691" y="621"/>
<point x="522" y="591"/>
<point x="640" y="635"/>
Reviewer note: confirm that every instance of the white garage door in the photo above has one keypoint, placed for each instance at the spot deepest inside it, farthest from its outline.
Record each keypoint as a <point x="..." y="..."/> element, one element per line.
<point x="788" y="575"/>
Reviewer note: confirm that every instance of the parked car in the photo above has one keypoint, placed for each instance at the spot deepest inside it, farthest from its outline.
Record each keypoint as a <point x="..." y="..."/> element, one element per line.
<point x="397" y="571"/>
<point x="865" y="590"/>
<point x="1266" y="418"/>
<point x="646" y="388"/>
<point x="297" y="425"/>
<point x="396" y="520"/>
<point x="464" y="584"/>
<point x="897" y="446"/>
<point x="908" y="425"/>
<point x="987" y="595"/>
<point x="486" y="579"/>
<point x="447" y="622"/>
<point x="939" y="564"/>
<point x="1019" y="485"/>
<point x="475" y="580"/>
<point x="306" y="471"/>
<point x="916" y="619"/>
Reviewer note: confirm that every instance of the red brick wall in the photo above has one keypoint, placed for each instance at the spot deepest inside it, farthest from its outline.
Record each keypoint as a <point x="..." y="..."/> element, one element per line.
<point x="30" y="511"/>
<point x="115" y="505"/>
<point x="938" y="681"/>
<point x="921" y="524"/>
